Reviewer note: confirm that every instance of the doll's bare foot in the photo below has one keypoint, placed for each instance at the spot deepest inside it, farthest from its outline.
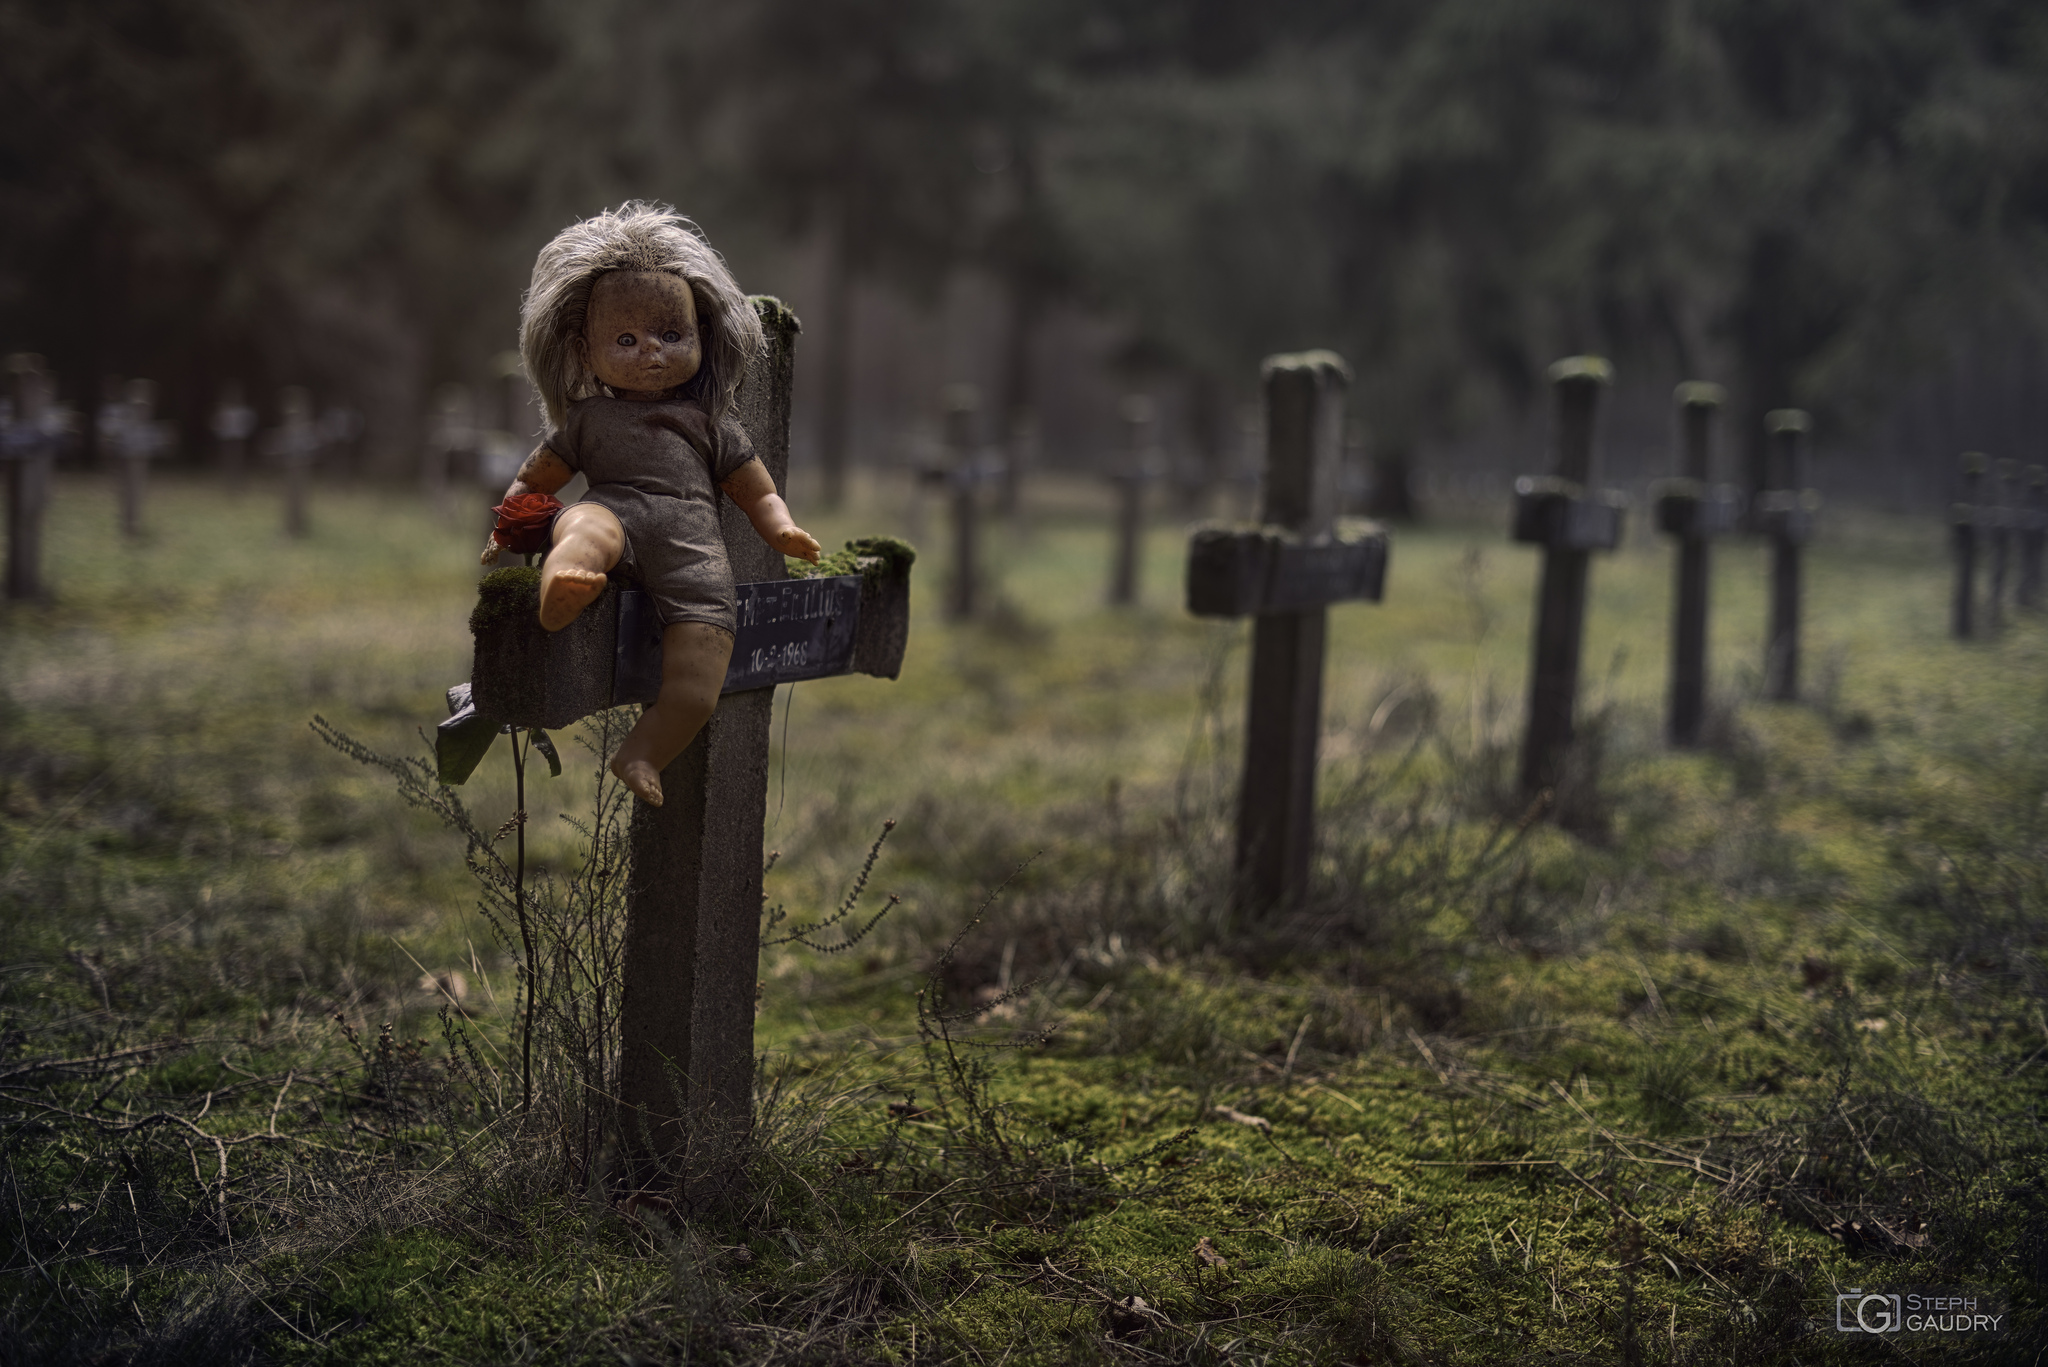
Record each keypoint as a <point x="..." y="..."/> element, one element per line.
<point x="641" y="777"/>
<point x="564" y="592"/>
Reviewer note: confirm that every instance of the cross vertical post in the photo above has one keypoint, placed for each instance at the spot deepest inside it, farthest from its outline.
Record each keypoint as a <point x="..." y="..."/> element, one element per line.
<point x="1130" y="479"/>
<point x="963" y="477"/>
<point x="1693" y="514"/>
<point x="1557" y="514"/>
<point x="1963" y="519"/>
<point x="1787" y="510"/>
<point x="28" y="445"/>
<point x="2001" y="527"/>
<point x="137" y="441"/>
<point x="297" y="444"/>
<point x="1276" y="806"/>
<point x="693" y="906"/>
<point x="2033" y="524"/>
<point x="234" y="422"/>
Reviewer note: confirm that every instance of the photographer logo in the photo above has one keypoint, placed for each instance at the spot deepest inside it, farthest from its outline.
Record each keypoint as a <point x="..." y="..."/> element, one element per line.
<point x="1919" y="1310"/>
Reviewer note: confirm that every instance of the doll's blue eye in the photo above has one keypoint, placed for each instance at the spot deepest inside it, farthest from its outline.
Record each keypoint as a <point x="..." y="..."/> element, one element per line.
<point x="625" y="339"/>
<point x="671" y="336"/>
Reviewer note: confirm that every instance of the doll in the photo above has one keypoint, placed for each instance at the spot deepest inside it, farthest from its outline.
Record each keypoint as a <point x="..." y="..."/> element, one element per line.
<point x="637" y="337"/>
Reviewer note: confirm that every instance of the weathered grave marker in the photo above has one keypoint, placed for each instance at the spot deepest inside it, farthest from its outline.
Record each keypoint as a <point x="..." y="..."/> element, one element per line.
<point x="1556" y="512"/>
<point x="2033" y="526"/>
<point x="295" y="444"/>
<point x="1964" y="518"/>
<point x="1140" y="465"/>
<point x="137" y="439"/>
<point x="1285" y="575"/>
<point x="694" y="902"/>
<point x="1786" y="513"/>
<point x="2002" y="526"/>
<point x="28" y="445"/>
<point x="963" y="475"/>
<point x="338" y="434"/>
<point x="234" y="422"/>
<point x="1693" y="512"/>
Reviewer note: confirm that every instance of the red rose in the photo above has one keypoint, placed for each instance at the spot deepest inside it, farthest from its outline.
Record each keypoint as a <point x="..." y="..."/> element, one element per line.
<point x="526" y="522"/>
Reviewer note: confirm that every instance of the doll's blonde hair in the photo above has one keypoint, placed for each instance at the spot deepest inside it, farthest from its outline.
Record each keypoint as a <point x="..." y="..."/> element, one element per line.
<point x="637" y="236"/>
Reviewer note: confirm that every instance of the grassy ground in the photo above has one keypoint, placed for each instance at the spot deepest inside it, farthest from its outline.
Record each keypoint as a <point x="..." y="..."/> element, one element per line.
<point x="1753" y="1026"/>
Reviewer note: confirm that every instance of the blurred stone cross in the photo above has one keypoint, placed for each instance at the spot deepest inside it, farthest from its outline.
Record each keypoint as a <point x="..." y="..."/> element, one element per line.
<point x="2003" y="527"/>
<point x="1692" y="512"/>
<point x="1284" y="575"/>
<point x="693" y="903"/>
<point x="1785" y="511"/>
<point x="1964" y="518"/>
<point x="1558" y="513"/>
<point x="2032" y="521"/>
<point x="295" y="444"/>
<point x="451" y="444"/>
<point x="234" y="422"/>
<point x="967" y="468"/>
<point x="1141" y="465"/>
<point x="30" y="430"/>
<point x="136" y="438"/>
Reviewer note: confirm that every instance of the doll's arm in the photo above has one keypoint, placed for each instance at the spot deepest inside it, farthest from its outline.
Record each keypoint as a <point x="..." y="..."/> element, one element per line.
<point x="751" y="488"/>
<point x="543" y="473"/>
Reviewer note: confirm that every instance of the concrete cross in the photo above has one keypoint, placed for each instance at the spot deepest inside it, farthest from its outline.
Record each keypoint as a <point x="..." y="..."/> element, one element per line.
<point x="694" y="901"/>
<point x="2033" y="525"/>
<point x="295" y="443"/>
<point x="1557" y="513"/>
<point x="137" y="438"/>
<point x="967" y="468"/>
<point x="1693" y="512"/>
<point x="234" y="422"/>
<point x="2003" y="522"/>
<point x="1284" y="575"/>
<point x="28" y="446"/>
<point x="1141" y="465"/>
<point x="1785" y="514"/>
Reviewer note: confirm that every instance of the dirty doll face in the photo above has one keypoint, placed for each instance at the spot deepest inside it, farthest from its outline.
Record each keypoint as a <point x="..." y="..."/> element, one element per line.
<point x="641" y="334"/>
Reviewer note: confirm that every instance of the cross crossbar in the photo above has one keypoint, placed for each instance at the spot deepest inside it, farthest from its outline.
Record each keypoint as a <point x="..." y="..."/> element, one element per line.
<point x="1560" y="515"/>
<point x="1245" y="571"/>
<point x="789" y="630"/>
<point x="1693" y="508"/>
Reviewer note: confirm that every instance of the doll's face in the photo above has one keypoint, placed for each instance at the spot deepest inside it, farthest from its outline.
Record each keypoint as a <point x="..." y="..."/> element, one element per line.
<point x="640" y="335"/>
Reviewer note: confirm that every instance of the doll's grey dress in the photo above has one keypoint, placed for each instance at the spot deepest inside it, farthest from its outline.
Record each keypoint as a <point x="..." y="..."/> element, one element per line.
<point x="657" y="467"/>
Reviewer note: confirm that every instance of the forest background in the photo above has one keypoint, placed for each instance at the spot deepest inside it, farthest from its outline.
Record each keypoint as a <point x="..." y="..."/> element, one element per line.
<point x="1838" y="206"/>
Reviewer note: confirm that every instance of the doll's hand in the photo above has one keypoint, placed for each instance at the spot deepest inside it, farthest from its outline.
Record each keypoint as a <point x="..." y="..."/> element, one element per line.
<point x="490" y="555"/>
<point x="794" y="540"/>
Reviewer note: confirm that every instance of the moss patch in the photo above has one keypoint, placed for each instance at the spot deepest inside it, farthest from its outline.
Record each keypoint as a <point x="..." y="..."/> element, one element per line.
<point x="504" y="593"/>
<point x="876" y="556"/>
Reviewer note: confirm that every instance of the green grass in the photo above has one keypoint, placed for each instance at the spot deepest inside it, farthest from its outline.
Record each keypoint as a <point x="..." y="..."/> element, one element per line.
<point x="1763" y="1022"/>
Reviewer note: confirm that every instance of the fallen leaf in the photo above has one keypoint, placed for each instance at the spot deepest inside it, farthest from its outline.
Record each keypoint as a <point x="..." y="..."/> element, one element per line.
<point x="1129" y="1318"/>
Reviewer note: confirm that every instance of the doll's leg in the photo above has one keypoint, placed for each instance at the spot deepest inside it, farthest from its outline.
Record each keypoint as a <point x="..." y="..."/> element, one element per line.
<point x="588" y="542"/>
<point x="693" y="660"/>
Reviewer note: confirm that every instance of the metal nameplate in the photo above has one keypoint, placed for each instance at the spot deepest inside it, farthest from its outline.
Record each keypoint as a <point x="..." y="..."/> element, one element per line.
<point x="788" y="630"/>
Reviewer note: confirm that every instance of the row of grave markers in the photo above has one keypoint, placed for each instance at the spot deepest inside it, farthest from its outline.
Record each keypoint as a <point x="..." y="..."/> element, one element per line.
<point x="694" y="901"/>
<point x="35" y="429"/>
<point x="2006" y="525"/>
<point x="1286" y="573"/>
